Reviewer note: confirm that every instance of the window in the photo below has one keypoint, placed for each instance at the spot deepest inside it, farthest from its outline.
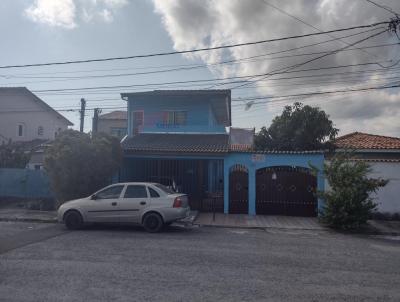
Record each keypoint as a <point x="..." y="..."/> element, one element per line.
<point x="21" y="130"/>
<point x="37" y="167"/>
<point x="137" y="121"/>
<point x="165" y="189"/>
<point x="176" y="118"/>
<point x="40" y="131"/>
<point x="118" y="132"/>
<point x="153" y="193"/>
<point x="135" y="191"/>
<point x="110" y="193"/>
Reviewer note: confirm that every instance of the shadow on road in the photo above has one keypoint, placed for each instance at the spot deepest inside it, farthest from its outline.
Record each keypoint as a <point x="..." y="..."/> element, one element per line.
<point x="174" y="228"/>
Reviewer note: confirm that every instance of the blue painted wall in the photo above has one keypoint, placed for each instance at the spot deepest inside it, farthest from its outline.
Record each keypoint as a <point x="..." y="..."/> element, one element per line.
<point x="200" y="117"/>
<point x="268" y="160"/>
<point x="24" y="183"/>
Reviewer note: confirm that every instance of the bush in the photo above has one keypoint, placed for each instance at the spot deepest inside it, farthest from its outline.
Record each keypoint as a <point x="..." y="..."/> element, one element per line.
<point x="348" y="204"/>
<point x="78" y="164"/>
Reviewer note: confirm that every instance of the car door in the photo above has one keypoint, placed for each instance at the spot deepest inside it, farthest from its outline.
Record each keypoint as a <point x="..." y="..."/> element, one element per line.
<point x="134" y="201"/>
<point x="104" y="205"/>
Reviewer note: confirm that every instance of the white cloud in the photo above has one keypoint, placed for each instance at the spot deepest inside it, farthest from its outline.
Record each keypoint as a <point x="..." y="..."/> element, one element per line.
<point x="106" y="15"/>
<point x="69" y="13"/>
<point x="58" y="13"/>
<point x="206" y="23"/>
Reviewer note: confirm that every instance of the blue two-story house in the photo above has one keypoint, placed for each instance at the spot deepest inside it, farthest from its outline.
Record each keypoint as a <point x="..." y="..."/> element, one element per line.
<point x="184" y="139"/>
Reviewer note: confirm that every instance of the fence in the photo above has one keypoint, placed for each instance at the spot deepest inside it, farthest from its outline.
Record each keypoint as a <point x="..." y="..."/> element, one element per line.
<point x="24" y="183"/>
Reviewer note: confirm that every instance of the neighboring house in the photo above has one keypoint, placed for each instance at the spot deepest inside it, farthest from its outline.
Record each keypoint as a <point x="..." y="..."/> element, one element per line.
<point x="180" y="139"/>
<point x="25" y="117"/>
<point x="383" y="154"/>
<point x="114" y="123"/>
<point x="36" y="161"/>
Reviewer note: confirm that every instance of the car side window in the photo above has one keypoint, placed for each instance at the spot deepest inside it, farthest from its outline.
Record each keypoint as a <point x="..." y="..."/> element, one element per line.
<point x="135" y="191"/>
<point x="153" y="193"/>
<point x="110" y="193"/>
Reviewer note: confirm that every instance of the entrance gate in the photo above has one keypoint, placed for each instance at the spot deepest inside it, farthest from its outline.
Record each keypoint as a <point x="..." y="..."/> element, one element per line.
<point x="238" y="190"/>
<point x="286" y="191"/>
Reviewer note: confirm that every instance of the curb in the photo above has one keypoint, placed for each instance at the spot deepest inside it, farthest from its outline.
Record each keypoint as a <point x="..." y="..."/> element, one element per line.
<point x="297" y="229"/>
<point x="16" y="219"/>
<point x="258" y="228"/>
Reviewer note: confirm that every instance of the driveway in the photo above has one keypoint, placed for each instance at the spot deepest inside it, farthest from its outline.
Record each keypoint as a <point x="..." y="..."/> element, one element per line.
<point x="199" y="264"/>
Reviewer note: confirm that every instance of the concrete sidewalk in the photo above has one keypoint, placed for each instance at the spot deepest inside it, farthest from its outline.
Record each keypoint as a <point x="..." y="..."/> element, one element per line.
<point x="289" y="223"/>
<point x="27" y="215"/>
<point x="259" y="221"/>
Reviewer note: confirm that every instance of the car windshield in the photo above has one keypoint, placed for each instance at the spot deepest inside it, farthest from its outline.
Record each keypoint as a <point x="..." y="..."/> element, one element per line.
<point x="165" y="189"/>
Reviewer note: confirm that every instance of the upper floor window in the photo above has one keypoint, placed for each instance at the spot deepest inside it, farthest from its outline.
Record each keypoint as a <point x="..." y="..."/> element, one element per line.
<point x="176" y="118"/>
<point x="137" y="121"/>
<point x="21" y="130"/>
<point x="118" y="132"/>
<point x="40" y="131"/>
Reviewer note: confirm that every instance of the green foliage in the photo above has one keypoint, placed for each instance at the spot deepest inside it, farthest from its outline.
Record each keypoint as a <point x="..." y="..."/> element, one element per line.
<point x="13" y="156"/>
<point x="348" y="202"/>
<point x="299" y="127"/>
<point x="79" y="165"/>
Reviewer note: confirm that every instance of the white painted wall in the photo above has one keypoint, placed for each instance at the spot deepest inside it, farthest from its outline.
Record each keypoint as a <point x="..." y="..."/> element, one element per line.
<point x="388" y="197"/>
<point x="105" y="125"/>
<point x="14" y="99"/>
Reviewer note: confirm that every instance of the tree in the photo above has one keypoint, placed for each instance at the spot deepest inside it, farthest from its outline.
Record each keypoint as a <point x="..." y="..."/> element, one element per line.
<point x="299" y="127"/>
<point x="348" y="202"/>
<point x="13" y="156"/>
<point x="79" y="164"/>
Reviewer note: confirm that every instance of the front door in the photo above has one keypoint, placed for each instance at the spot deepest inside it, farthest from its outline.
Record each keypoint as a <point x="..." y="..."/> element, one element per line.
<point x="104" y="206"/>
<point x="238" y="190"/>
<point x="133" y="202"/>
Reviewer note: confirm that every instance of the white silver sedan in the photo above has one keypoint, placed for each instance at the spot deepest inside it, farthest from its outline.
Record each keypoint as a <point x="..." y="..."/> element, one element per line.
<point x="149" y="204"/>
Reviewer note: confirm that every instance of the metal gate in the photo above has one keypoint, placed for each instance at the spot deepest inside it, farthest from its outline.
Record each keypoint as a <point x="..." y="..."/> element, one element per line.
<point x="286" y="191"/>
<point x="238" y="190"/>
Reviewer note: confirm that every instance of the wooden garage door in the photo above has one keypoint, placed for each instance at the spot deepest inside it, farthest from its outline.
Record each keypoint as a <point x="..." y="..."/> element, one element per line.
<point x="286" y="191"/>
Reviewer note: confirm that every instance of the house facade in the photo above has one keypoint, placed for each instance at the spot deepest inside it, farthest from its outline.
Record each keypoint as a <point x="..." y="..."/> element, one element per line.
<point x="184" y="140"/>
<point x="113" y="123"/>
<point x="25" y="117"/>
<point x="382" y="153"/>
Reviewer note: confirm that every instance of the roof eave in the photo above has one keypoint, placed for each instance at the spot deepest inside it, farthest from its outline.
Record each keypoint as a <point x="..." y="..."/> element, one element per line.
<point x="69" y="123"/>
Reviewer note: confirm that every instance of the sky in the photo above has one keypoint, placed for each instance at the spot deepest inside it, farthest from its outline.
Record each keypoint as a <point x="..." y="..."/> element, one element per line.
<point x="41" y="31"/>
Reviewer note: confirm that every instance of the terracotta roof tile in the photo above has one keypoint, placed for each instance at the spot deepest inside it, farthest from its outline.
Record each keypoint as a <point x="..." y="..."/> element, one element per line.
<point x="359" y="140"/>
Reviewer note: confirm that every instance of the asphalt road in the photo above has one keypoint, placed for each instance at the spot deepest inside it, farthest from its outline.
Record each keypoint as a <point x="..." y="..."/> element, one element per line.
<point x="198" y="264"/>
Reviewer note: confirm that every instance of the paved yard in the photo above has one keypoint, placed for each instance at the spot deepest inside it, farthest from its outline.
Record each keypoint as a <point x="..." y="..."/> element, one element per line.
<point x="198" y="264"/>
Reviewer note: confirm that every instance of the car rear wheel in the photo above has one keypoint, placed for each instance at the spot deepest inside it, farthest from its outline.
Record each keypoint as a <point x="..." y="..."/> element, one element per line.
<point x="73" y="220"/>
<point x="153" y="222"/>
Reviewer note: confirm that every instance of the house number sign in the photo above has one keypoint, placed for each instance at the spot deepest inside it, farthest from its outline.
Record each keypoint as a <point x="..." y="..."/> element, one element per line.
<point x="257" y="158"/>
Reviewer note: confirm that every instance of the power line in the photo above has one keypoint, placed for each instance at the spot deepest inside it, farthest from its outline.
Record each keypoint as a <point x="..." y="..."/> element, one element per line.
<point x="310" y="25"/>
<point x="157" y="84"/>
<point x="194" y="50"/>
<point x="58" y="79"/>
<point x="271" y="97"/>
<point x="320" y="93"/>
<point x="313" y="59"/>
<point x="385" y="7"/>
<point x="210" y="64"/>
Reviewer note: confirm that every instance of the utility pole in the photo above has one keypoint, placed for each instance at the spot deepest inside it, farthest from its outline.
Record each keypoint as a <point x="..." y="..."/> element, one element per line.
<point x="95" y="123"/>
<point x="82" y="112"/>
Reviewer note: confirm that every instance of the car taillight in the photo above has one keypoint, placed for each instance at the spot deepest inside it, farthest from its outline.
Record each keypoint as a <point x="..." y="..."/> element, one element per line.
<point x="177" y="202"/>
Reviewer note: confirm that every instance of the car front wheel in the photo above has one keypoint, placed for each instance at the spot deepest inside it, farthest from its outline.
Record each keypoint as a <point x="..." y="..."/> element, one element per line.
<point x="73" y="220"/>
<point x="152" y="223"/>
